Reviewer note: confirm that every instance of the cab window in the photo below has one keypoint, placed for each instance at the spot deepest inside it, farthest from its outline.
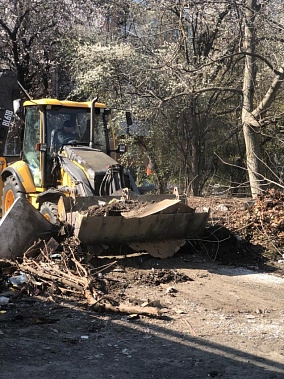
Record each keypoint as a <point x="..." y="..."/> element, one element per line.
<point x="31" y="138"/>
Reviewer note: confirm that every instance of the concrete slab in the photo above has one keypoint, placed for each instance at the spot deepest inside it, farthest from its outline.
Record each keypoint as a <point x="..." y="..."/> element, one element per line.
<point x="21" y="226"/>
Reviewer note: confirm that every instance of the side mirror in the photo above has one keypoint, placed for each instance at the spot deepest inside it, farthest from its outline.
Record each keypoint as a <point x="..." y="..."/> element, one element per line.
<point x="128" y="118"/>
<point x="41" y="147"/>
<point x="128" y="121"/>
<point x="121" y="149"/>
<point x="18" y="108"/>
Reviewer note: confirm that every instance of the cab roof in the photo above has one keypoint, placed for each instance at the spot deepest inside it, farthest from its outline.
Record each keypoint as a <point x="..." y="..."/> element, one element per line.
<point x="63" y="103"/>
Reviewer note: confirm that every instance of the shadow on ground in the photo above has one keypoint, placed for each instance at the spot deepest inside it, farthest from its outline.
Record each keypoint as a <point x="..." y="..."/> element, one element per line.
<point x="45" y="340"/>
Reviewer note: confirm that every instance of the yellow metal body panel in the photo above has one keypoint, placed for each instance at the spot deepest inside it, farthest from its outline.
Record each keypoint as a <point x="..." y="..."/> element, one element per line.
<point x="32" y="199"/>
<point x="63" y="103"/>
<point x="82" y="168"/>
<point x="22" y="168"/>
<point x="66" y="179"/>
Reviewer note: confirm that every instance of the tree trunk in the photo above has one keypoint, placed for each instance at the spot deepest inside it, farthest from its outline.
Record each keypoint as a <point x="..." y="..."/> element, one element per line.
<point x="254" y="168"/>
<point x="250" y="129"/>
<point x="194" y="143"/>
<point x="252" y="119"/>
<point x="195" y="157"/>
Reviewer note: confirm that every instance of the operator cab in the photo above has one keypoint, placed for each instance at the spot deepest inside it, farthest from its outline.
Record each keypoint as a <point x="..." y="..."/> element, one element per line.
<point x="50" y="125"/>
<point x="71" y="126"/>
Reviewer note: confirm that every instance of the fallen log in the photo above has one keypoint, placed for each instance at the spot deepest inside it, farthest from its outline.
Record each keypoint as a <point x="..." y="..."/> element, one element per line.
<point x="116" y="307"/>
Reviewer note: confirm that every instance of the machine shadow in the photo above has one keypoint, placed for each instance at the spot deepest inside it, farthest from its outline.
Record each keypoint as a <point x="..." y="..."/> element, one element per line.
<point x="187" y="258"/>
<point x="72" y="342"/>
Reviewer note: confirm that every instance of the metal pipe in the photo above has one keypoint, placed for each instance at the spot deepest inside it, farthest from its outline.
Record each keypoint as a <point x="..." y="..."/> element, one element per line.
<point x="92" y="122"/>
<point x="25" y="91"/>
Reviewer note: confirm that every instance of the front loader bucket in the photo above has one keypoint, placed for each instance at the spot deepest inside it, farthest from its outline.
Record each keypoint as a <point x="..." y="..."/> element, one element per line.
<point x="167" y="220"/>
<point x="20" y="227"/>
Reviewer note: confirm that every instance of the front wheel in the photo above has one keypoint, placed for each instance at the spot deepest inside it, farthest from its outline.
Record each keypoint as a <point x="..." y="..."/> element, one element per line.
<point x="49" y="211"/>
<point x="11" y="192"/>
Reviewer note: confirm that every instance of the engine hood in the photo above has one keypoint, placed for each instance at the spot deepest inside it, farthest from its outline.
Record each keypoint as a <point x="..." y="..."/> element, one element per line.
<point x="94" y="162"/>
<point x="94" y="172"/>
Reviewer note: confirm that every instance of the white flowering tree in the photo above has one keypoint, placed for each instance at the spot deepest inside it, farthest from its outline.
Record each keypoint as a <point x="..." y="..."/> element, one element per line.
<point x="32" y="38"/>
<point x="202" y="77"/>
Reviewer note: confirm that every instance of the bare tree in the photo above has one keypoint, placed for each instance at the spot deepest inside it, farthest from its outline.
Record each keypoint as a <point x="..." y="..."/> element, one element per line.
<point x="253" y="114"/>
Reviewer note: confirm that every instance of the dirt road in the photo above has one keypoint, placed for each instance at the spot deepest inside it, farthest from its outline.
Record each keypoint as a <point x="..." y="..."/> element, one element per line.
<point x="220" y="322"/>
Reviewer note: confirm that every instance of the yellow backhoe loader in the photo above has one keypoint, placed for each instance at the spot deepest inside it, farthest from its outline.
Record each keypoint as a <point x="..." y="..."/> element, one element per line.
<point x="67" y="170"/>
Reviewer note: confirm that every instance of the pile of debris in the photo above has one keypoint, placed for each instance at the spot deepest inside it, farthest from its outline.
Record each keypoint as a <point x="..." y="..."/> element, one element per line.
<point x="163" y="276"/>
<point x="63" y="270"/>
<point x="246" y="230"/>
<point x="267" y="216"/>
<point x="60" y="267"/>
<point x="262" y="223"/>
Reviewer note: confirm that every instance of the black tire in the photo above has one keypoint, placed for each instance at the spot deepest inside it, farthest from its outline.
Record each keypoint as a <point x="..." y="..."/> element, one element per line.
<point x="11" y="192"/>
<point x="49" y="211"/>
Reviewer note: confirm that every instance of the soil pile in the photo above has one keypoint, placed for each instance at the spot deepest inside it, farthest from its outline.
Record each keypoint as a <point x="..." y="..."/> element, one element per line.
<point x="163" y="276"/>
<point x="115" y="208"/>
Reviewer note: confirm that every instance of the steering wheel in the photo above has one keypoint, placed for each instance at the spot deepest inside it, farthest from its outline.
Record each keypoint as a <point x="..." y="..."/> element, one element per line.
<point x="69" y="140"/>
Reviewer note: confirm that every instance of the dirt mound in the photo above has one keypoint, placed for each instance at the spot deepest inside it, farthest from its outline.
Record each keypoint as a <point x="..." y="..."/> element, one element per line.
<point x="157" y="277"/>
<point x="115" y="208"/>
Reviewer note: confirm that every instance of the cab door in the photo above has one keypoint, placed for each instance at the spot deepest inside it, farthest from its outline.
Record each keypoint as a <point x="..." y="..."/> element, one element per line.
<point x="32" y="138"/>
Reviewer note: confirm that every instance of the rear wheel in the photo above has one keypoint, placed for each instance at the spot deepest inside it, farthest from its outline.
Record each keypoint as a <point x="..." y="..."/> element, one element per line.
<point x="11" y="192"/>
<point x="49" y="211"/>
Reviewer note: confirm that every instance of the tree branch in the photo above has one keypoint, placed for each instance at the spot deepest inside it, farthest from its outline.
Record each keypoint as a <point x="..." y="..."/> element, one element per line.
<point x="5" y="27"/>
<point x="227" y="89"/>
<point x="270" y="94"/>
<point x="243" y="54"/>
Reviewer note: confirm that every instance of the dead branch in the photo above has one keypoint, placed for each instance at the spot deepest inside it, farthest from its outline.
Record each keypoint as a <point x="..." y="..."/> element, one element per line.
<point x="116" y="307"/>
<point x="104" y="267"/>
<point x="192" y="331"/>
<point x="33" y="271"/>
